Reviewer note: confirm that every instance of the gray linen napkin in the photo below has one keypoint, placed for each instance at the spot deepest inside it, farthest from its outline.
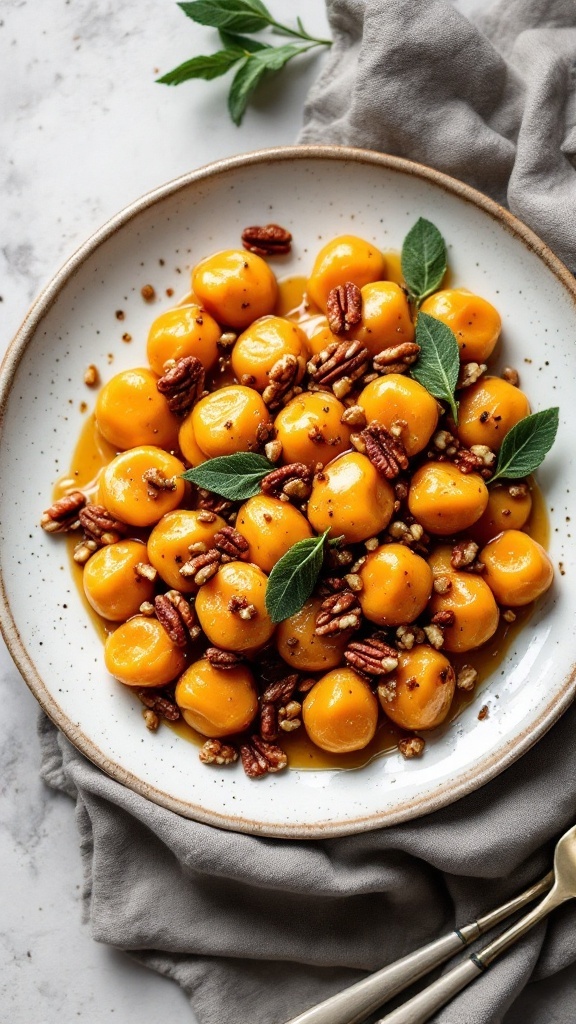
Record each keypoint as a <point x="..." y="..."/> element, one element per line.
<point x="255" y="930"/>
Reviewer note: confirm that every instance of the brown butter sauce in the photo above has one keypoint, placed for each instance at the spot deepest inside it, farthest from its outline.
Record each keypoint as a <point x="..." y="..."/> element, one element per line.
<point x="92" y="453"/>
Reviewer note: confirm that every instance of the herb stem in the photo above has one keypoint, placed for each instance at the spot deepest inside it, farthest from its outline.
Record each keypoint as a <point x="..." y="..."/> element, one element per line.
<point x="299" y="33"/>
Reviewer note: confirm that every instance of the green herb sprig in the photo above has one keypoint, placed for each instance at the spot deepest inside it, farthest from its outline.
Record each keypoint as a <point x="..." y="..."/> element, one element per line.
<point x="294" y="577"/>
<point x="253" y="58"/>
<point x="438" y="364"/>
<point x="236" y="477"/>
<point x="423" y="260"/>
<point x="526" y="445"/>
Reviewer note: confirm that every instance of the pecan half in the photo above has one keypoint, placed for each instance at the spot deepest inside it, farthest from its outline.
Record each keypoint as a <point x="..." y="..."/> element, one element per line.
<point x="269" y="240"/>
<point x="338" y="366"/>
<point x="231" y="544"/>
<point x="338" y="613"/>
<point x="373" y="656"/>
<point x="63" y="515"/>
<point x="261" y="758"/>
<point x="396" y="358"/>
<point x="182" y="384"/>
<point x="223" y="659"/>
<point x="202" y="567"/>
<point x="216" y="752"/>
<point x="384" y="450"/>
<point x="157" y="481"/>
<point x="269" y="722"/>
<point x="280" y="691"/>
<point x="344" y="307"/>
<point x="291" y="481"/>
<point x="176" y="615"/>
<point x="100" y="526"/>
<point x="283" y="378"/>
<point x="160" y="704"/>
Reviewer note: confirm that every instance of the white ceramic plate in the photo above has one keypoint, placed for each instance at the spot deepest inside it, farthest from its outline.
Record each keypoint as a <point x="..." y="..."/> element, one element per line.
<point x="318" y="193"/>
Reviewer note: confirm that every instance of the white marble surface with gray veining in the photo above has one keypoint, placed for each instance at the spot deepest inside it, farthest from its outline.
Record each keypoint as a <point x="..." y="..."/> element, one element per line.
<point x="84" y="131"/>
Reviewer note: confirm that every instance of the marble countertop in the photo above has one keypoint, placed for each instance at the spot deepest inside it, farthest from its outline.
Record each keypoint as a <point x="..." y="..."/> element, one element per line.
<point x="85" y="131"/>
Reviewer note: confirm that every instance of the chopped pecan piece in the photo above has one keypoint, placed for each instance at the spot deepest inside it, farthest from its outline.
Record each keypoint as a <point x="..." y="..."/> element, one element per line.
<point x="202" y="567"/>
<point x="407" y="636"/>
<point x="160" y="704"/>
<point x="231" y="544"/>
<point x="269" y="240"/>
<point x="444" y="619"/>
<point x="210" y="502"/>
<point x="372" y="656"/>
<point x="283" y="378"/>
<point x="469" y="374"/>
<point x="463" y="554"/>
<point x="239" y="605"/>
<point x="467" y="678"/>
<point x="338" y="366"/>
<point x="63" y="515"/>
<point x="434" y="635"/>
<point x="182" y="384"/>
<point x="396" y="358"/>
<point x="384" y="450"/>
<point x="216" y="752"/>
<point x="261" y="758"/>
<point x="411" y="746"/>
<point x="344" y="307"/>
<point x="338" y="613"/>
<point x="151" y="719"/>
<point x="100" y="526"/>
<point x="157" y="481"/>
<point x="289" y="716"/>
<point x="177" y="617"/>
<point x="354" y="416"/>
<point x="223" y="659"/>
<point x="291" y="481"/>
<point x="511" y="375"/>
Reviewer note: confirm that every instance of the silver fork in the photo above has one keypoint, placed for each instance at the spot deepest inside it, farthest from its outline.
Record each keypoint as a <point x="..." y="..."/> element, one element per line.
<point x="355" y="1003"/>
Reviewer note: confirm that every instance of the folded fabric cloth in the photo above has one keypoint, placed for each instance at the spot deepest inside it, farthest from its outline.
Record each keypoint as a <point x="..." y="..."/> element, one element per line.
<point x="255" y="930"/>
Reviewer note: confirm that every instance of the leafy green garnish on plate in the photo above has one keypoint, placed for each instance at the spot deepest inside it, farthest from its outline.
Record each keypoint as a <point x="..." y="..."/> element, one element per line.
<point x="423" y="260"/>
<point x="526" y="445"/>
<point x="438" y="364"/>
<point x="294" y="577"/>
<point x="235" y="477"/>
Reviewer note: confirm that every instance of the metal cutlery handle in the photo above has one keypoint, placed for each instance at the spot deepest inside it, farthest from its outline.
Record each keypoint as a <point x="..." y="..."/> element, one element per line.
<point x="353" y="1004"/>
<point x="423" y="1005"/>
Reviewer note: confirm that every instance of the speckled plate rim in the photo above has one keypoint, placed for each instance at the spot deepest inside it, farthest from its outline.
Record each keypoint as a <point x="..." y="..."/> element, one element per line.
<point x="447" y="792"/>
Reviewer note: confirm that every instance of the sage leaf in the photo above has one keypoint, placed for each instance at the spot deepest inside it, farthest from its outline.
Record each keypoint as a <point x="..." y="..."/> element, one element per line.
<point x="235" y="15"/>
<point x="235" y="477"/>
<point x="526" y="445"/>
<point x="438" y="364"/>
<point x="208" y="67"/>
<point x="294" y="577"/>
<point x="423" y="259"/>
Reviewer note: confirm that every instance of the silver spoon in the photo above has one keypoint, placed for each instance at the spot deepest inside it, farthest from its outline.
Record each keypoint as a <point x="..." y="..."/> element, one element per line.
<point x="355" y="1003"/>
<point x="422" y="1006"/>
